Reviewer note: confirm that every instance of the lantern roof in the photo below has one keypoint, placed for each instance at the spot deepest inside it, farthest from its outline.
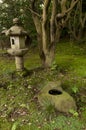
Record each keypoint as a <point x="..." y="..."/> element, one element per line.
<point x="16" y="29"/>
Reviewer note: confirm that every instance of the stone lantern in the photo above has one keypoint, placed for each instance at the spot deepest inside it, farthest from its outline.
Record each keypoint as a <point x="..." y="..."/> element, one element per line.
<point x="17" y="39"/>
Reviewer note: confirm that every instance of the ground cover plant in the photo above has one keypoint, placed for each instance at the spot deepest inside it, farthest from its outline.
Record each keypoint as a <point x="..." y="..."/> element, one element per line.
<point x="19" y="106"/>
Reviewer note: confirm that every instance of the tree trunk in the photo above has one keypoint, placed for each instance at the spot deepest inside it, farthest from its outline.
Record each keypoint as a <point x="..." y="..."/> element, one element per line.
<point x="49" y="32"/>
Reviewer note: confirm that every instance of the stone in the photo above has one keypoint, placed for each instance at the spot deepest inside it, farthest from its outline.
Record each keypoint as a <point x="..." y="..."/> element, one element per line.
<point x="17" y="39"/>
<point x="52" y="93"/>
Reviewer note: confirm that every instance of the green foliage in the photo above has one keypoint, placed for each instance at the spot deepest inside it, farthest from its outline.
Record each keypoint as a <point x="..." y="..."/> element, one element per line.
<point x="53" y="66"/>
<point x="74" y="113"/>
<point x="83" y="109"/>
<point x="75" y="89"/>
<point x="15" y="125"/>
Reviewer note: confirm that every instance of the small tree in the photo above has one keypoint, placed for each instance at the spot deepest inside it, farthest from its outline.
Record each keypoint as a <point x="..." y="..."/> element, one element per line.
<point x="49" y="21"/>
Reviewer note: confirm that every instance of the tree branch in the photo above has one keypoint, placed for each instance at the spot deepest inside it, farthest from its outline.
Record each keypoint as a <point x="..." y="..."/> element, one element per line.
<point x="63" y="5"/>
<point x="35" y="13"/>
<point x="52" y="22"/>
<point x="45" y="25"/>
<point x="65" y="12"/>
<point x="73" y="3"/>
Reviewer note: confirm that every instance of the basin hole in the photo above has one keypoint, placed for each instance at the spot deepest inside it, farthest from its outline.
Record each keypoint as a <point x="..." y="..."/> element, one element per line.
<point x="55" y="92"/>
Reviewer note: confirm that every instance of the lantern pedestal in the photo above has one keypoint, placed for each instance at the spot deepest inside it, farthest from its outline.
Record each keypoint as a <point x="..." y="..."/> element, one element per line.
<point x="19" y="61"/>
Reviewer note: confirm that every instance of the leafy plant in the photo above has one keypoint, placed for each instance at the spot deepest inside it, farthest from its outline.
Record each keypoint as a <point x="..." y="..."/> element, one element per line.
<point x="75" y="89"/>
<point x="15" y="125"/>
<point x="74" y="113"/>
<point x="54" y="66"/>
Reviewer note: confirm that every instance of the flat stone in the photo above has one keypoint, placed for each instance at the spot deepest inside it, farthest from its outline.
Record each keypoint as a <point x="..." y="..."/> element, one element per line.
<point x="52" y="93"/>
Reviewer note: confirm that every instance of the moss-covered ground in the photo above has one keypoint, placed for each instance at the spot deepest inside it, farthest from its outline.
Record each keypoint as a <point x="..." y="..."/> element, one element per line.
<point x="19" y="106"/>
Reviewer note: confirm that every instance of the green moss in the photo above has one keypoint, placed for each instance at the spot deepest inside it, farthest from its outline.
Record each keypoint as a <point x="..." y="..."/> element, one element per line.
<point x="5" y="125"/>
<point x="19" y="94"/>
